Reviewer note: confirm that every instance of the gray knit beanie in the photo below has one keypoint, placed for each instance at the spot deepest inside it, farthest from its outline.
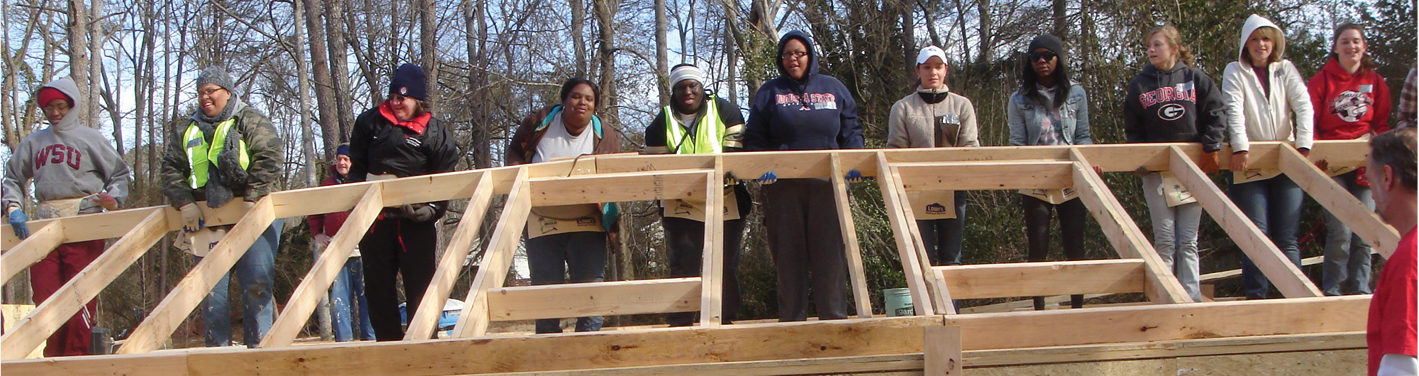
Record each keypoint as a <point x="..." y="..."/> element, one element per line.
<point x="215" y="75"/>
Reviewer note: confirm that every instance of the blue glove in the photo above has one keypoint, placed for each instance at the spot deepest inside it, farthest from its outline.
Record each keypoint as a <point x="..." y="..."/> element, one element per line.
<point x="854" y="176"/>
<point x="768" y="178"/>
<point x="17" y="222"/>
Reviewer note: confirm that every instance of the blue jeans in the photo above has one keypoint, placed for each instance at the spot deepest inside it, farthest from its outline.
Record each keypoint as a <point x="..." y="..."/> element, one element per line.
<point x="1274" y="205"/>
<point x="255" y="270"/>
<point x="1175" y="234"/>
<point x="1347" y="257"/>
<point x="578" y="255"/>
<point x="349" y="286"/>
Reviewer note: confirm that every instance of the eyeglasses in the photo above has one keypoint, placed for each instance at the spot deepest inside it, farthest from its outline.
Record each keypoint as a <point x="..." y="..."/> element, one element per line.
<point x="208" y="92"/>
<point x="1046" y="55"/>
<point x="794" y="55"/>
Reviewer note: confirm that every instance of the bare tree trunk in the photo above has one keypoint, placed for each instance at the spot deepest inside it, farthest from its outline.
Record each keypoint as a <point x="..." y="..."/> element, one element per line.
<point x="931" y="26"/>
<point x="79" y="58"/>
<point x="324" y="92"/>
<point x="1060" y="26"/>
<point x="475" y="39"/>
<point x="335" y="21"/>
<point x="96" y="41"/>
<point x="606" y="54"/>
<point x="729" y="61"/>
<point x="662" y="66"/>
<point x="428" y="53"/>
<point x="578" y="38"/>
<point x="909" y="48"/>
<point x="987" y="33"/>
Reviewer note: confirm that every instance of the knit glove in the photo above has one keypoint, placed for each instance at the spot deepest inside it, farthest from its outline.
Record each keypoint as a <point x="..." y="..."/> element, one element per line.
<point x="768" y="178"/>
<point x="854" y="176"/>
<point x="17" y="223"/>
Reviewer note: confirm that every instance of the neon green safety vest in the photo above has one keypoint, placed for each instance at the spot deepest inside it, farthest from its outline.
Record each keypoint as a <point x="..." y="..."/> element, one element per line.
<point x="709" y="133"/>
<point x="200" y="154"/>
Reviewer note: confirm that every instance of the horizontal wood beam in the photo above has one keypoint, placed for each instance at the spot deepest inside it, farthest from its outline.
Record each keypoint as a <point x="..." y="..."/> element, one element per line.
<point x="632" y="186"/>
<point x="985" y="175"/>
<point x="84" y="227"/>
<point x="1043" y="278"/>
<point x="1144" y="326"/>
<point x="1285" y="276"/>
<point x="1163" y="322"/>
<point x="1382" y="237"/>
<point x="594" y="299"/>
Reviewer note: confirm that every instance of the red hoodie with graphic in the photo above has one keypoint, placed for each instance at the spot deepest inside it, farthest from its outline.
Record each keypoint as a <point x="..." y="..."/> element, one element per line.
<point x="1348" y="106"/>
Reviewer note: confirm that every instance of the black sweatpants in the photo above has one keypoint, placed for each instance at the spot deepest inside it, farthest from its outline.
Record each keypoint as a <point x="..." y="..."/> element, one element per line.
<point x="804" y="235"/>
<point x="685" y="238"/>
<point x="1071" y="232"/>
<point x="396" y="246"/>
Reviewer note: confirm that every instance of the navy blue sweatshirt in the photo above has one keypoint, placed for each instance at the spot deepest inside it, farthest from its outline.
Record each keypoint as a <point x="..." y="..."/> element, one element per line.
<point x="815" y="113"/>
<point x="1177" y="105"/>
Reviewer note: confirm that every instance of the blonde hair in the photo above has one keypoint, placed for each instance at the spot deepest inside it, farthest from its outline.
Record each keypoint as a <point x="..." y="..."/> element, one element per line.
<point x="1170" y="34"/>
<point x="1278" y="40"/>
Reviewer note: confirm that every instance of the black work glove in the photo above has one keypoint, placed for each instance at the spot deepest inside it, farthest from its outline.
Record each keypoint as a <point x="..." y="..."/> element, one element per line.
<point x="418" y="212"/>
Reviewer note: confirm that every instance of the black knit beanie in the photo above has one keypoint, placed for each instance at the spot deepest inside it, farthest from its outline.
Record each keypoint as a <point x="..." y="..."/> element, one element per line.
<point x="408" y="81"/>
<point x="1051" y="43"/>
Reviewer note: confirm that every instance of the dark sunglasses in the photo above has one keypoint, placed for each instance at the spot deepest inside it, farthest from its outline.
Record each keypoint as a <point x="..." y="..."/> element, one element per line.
<point x="1036" y="55"/>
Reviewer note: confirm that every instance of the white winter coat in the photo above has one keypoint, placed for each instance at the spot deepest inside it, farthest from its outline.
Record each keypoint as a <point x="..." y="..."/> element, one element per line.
<point x="1254" y="117"/>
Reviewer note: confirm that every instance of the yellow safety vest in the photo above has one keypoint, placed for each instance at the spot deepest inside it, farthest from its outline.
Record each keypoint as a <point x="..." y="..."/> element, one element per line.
<point x="200" y="154"/>
<point x="709" y="132"/>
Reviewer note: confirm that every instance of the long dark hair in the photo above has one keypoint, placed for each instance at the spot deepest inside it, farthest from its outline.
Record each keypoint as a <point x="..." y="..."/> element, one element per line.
<point x="1061" y="81"/>
<point x="1366" y="62"/>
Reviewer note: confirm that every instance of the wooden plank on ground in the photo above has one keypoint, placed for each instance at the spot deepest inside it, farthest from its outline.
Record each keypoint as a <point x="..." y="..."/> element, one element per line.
<point x="31" y="331"/>
<point x="497" y="258"/>
<point x="630" y="186"/>
<point x="936" y="176"/>
<point x="941" y="350"/>
<point x="712" y="255"/>
<point x="1285" y="276"/>
<point x="425" y="319"/>
<point x="595" y="299"/>
<point x="331" y="262"/>
<point x="1172" y="348"/>
<point x="849" y="229"/>
<point x="902" y="230"/>
<point x="34" y="248"/>
<point x="1043" y="278"/>
<point x="1382" y="237"/>
<point x="189" y="292"/>
<point x="1125" y="236"/>
<point x="740" y="342"/>
<point x="1008" y="332"/>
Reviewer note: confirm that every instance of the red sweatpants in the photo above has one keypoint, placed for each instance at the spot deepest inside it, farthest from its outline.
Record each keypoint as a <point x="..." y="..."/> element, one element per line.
<point x="47" y="276"/>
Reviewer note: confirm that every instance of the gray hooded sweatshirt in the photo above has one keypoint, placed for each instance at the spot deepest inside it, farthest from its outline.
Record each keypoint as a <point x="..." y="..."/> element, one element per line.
<point x="66" y="160"/>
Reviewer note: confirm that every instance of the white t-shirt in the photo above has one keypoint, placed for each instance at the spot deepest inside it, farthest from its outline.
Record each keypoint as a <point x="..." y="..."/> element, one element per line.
<point x="557" y="143"/>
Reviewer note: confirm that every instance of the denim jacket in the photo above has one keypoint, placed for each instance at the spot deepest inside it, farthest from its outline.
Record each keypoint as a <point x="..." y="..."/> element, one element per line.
<point x="1024" y="117"/>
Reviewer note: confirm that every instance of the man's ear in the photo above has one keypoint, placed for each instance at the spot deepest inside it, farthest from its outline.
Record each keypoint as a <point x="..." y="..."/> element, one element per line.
<point x="1387" y="178"/>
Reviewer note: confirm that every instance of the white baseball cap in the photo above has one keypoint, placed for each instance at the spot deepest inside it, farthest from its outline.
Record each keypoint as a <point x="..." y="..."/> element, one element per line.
<point x="928" y="52"/>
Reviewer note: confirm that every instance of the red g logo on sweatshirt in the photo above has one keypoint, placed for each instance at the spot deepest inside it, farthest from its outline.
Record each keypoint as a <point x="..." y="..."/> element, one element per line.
<point x="58" y="153"/>
<point x="1351" y="105"/>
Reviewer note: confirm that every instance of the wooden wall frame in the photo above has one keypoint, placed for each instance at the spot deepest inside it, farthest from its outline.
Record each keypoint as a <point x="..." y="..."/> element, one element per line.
<point x="628" y="177"/>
